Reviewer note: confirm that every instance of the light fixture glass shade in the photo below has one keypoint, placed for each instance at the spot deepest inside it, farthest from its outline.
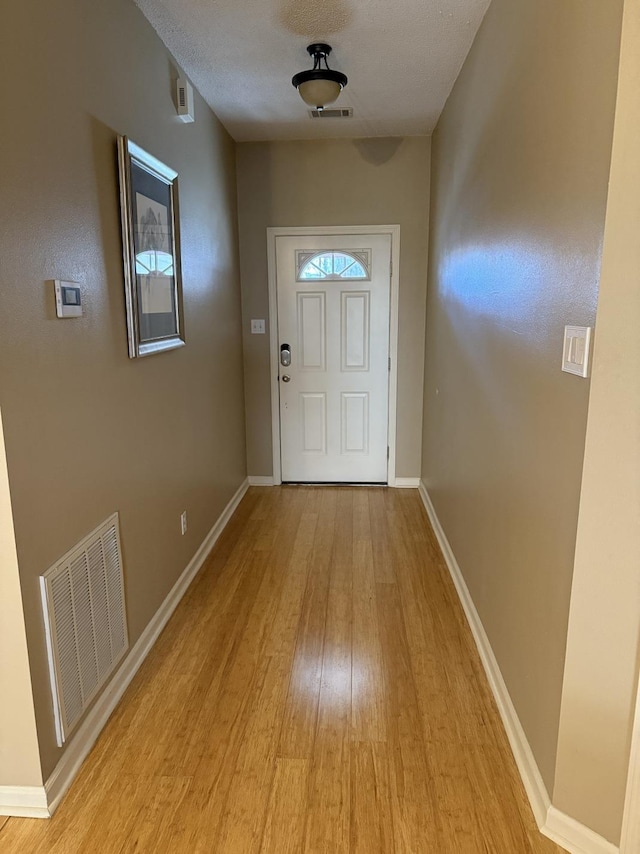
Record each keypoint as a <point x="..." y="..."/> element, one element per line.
<point x="319" y="93"/>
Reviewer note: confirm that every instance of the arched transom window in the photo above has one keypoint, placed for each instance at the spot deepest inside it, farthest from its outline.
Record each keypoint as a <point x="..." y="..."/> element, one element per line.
<point x="352" y="265"/>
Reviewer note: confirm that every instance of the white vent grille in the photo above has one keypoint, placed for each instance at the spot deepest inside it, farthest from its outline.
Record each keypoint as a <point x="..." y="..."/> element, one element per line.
<point x="184" y="97"/>
<point x="85" y="622"/>
<point x="347" y="113"/>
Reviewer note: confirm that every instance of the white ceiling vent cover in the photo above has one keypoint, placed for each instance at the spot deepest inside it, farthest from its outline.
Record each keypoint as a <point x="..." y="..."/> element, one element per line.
<point x="85" y="622"/>
<point x="346" y="113"/>
<point x="184" y="97"/>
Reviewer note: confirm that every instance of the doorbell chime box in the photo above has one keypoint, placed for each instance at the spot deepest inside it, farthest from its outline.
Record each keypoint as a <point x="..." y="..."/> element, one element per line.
<point x="68" y="299"/>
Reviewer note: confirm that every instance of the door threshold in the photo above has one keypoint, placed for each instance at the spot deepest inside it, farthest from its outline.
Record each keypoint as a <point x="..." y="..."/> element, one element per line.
<point x="333" y="483"/>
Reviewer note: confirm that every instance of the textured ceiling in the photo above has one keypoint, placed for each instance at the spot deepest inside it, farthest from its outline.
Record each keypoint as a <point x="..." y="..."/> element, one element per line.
<point x="401" y="59"/>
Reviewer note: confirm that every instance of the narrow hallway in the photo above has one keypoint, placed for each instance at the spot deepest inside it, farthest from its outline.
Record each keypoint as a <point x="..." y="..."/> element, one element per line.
<point x="317" y="690"/>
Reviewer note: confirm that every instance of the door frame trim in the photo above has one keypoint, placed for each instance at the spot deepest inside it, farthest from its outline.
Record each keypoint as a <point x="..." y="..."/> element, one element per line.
<point x="338" y="230"/>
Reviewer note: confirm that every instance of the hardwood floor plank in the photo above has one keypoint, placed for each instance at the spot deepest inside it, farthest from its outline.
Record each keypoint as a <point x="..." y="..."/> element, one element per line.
<point x="134" y="815"/>
<point x="317" y="690"/>
<point x="328" y="807"/>
<point x="306" y="605"/>
<point x="250" y="786"/>
<point x="415" y="818"/>
<point x="368" y="687"/>
<point x="383" y="563"/>
<point x="371" y="803"/>
<point x="296" y="572"/>
<point x="499" y="820"/>
<point x="284" y="828"/>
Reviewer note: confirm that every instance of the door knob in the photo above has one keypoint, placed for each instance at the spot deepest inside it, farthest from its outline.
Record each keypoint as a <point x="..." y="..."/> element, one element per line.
<point x="286" y="378"/>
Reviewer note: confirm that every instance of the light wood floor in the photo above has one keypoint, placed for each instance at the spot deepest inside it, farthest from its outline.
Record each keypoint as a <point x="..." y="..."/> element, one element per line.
<point x="317" y="690"/>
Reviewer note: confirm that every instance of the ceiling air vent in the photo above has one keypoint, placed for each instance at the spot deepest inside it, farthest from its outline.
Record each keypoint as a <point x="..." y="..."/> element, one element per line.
<point x="347" y="113"/>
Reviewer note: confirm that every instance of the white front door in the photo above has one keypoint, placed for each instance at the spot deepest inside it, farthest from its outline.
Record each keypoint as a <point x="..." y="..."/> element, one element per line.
<point x="333" y="331"/>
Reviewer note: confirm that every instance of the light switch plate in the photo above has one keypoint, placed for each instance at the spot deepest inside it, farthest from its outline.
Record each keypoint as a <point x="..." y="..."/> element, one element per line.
<point x="257" y="327"/>
<point x="575" y="352"/>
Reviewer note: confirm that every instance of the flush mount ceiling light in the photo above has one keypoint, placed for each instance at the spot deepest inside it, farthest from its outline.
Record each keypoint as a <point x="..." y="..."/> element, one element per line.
<point x="319" y="86"/>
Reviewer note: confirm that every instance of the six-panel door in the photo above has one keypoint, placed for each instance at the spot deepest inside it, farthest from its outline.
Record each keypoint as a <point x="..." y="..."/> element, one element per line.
<point x="333" y="313"/>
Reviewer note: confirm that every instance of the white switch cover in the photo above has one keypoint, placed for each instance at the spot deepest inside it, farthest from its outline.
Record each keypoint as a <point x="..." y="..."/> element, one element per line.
<point x="575" y="353"/>
<point x="257" y="327"/>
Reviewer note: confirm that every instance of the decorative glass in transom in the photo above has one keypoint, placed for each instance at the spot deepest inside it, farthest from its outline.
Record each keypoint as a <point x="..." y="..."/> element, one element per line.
<point x="332" y="265"/>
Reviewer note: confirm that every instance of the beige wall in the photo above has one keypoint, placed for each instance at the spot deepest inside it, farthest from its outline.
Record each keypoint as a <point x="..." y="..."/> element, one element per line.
<point x="604" y="625"/>
<point x="87" y="430"/>
<point x="339" y="182"/>
<point x="19" y="754"/>
<point x="520" y="166"/>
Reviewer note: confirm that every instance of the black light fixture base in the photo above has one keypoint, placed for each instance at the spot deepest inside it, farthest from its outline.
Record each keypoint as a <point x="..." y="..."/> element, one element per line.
<point x="319" y="48"/>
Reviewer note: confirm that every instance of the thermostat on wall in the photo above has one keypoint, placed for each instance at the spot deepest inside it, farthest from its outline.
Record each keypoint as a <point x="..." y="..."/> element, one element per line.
<point x="68" y="299"/>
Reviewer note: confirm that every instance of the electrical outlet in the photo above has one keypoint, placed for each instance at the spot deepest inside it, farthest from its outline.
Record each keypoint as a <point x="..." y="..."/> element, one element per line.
<point x="183" y="522"/>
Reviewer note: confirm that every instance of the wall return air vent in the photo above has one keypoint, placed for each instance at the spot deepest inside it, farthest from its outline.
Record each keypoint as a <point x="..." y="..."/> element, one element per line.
<point x="347" y="113"/>
<point x="85" y="622"/>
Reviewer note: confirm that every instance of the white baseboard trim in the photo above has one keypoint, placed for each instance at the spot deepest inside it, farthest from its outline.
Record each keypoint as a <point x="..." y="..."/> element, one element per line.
<point x="86" y="736"/>
<point x="527" y="766"/>
<point x="24" y="801"/>
<point x="406" y="483"/>
<point x="565" y="831"/>
<point x="260" y="480"/>
<point x="574" y="836"/>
